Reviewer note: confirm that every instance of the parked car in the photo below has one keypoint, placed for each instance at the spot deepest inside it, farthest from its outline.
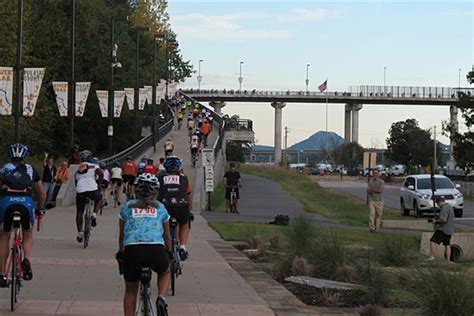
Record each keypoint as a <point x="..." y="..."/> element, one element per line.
<point x="397" y="170"/>
<point x="382" y="170"/>
<point x="416" y="195"/>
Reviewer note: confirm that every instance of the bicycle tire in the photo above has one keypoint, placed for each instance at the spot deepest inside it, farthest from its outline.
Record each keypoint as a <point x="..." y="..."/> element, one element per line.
<point x="14" y="280"/>
<point x="146" y="301"/>
<point x="173" y="278"/>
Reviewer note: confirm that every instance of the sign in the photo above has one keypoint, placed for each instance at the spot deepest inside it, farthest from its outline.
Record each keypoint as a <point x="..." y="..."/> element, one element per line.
<point x="6" y="90"/>
<point x="208" y="172"/>
<point x="208" y="157"/>
<point x="130" y="96"/>
<point x="119" y="97"/>
<point x="82" y="92"/>
<point x="209" y="185"/>
<point x="32" y="80"/>
<point x="103" y="96"/>
<point x="370" y="160"/>
<point x="141" y="98"/>
<point x="60" y="89"/>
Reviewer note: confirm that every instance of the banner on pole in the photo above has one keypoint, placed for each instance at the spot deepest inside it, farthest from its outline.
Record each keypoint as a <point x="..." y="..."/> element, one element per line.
<point x="6" y="90"/>
<point x="160" y="92"/>
<point x="103" y="96"/>
<point x="82" y="92"/>
<point x="119" y="97"/>
<point x="149" y="94"/>
<point x="32" y="80"/>
<point x="141" y="99"/>
<point x="60" y="89"/>
<point x="130" y="96"/>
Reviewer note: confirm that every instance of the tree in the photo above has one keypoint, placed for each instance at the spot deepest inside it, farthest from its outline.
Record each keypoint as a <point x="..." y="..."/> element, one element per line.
<point x="349" y="154"/>
<point x="235" y="150"/>
<point x="410" y="145"/>
<point x="463" y="150"/>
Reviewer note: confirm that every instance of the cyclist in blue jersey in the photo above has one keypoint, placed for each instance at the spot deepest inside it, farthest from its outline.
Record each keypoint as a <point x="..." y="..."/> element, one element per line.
<point x="17" y="181"/>
<point x="144" y="239"/>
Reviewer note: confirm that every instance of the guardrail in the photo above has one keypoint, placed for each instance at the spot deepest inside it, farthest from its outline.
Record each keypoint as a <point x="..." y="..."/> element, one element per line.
<point x="145" y="143"/>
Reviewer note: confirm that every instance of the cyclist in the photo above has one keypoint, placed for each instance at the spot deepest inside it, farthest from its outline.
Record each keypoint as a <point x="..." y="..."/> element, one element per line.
<point x="169" y="147"/>
<point x="232" y="179"/>
<point x="129" y="173"/>
<point x="195" y="111"/>
<point x="175" y="193"/>
<point x="194" y="147"/>
<point x="191" y="124"/>
<point x="105" y="182"/>
<point x="180" y="117"/>
<point x="144" y="233"/>
<point x="17" y="180"/>
<point x="161" y="166"/>
<point x="141" y="165"/>
<point x="86" y="187"/>
<point x="116" y="180"/>
<point x="205" y="130"/>
<point x="150" y="167"/>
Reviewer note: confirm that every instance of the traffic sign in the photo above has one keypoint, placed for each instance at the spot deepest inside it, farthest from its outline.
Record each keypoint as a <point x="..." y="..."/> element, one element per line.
<point x="209" y="185"/>
<point x="208" y="157"/>
<point x="209" y="172"/>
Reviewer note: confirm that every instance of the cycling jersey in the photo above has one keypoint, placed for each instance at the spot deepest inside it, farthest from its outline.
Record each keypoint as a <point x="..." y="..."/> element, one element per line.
<point x="174" y="188"/>
<point x="143" y="225"/>
<point x="116" y="173"/>
<point x="85" y="177"/>
<point x="106" y="175"/>
<point x="129" y="168"/>
<point x="205" y="128"/>
<point x="180" y="116"/>
<point x="169" y="145"/>
<point x="194" y="141"/>
<point x="150" y="169"/>
<point x="191" y="124"/>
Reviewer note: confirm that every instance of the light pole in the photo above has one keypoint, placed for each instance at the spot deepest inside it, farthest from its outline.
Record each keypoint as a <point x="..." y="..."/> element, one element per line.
<point x="199" y="77"/>
<point x="72" y="84"/>
<point x="137" y="87"/>
<point x="240" y="77"/>
<point x="169" y="44"/>
<point x="307" y="78"/>
<point x="459" y="78"/>
<point x="153" y="93"/>
<point x="18" y="69"/>
<point x="384" y="79"/>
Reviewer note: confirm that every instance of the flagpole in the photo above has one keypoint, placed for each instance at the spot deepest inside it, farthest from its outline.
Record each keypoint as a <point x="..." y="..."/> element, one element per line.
<point x="326" y="104"/>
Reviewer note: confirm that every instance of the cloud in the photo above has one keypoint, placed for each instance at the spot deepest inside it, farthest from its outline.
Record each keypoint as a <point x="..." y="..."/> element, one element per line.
<point x="311" y="15"/>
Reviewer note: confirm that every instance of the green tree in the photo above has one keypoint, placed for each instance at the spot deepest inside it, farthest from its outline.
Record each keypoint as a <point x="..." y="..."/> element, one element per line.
<point x="410" y="145"/>
<point x="349" y="154"/>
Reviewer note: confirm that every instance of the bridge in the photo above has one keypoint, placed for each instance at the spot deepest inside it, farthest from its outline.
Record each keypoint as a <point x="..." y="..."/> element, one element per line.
<point x="354" y="99"/>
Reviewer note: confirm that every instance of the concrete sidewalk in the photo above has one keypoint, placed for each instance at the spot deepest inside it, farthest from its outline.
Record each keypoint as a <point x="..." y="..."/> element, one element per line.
<point x="70" y="280"/>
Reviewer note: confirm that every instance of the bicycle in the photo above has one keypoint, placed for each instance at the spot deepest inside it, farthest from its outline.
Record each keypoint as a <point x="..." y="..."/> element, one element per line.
<point x="193" y="158"/>
<point x="15" y="261"/>
<point x="233" y="199"/>
<point x="87" y="221"/>
<point x="176" y="267"/>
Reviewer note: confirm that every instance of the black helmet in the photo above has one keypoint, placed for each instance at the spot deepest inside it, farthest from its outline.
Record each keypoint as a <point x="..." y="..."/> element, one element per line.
<point x="18" y="151"/>
<point x="86" y="155"/>
<point x="116" y="164"/>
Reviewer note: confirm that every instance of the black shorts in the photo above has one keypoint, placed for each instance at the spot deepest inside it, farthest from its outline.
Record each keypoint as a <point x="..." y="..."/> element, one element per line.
<point x="180" y="120"/>
<point x="117" y="181"/>
<point x="440" y="237"/>
<point x="194" y="151"/>
<point x="127" y="178"/>
<point x="104" y="184"/>
<point x="227" y="193"/>
<point x="181" y="213"/>
<point x="81" y="199"/>
<point x="136" y="256"/>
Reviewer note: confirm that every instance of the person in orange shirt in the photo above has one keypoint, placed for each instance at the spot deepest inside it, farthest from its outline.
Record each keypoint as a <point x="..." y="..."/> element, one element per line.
<point x="205" y="130"/>
<point x="129" y="173"/>
<point x="62" y="175"/>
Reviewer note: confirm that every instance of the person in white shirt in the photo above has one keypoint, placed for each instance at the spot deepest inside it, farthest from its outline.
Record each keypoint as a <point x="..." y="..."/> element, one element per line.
<point x="117" y="180"/>
<point x="86" y="187"/>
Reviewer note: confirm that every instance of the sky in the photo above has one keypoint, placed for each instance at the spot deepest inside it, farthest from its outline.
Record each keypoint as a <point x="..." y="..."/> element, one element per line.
<point x="419" y="43"/>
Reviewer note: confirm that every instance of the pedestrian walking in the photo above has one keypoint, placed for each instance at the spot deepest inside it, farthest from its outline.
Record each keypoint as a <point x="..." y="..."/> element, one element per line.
<point x="49" y="173"/>
<point x="444" y="230"/>
<point x="375" y="190"/>
<point x="62" y="175"/>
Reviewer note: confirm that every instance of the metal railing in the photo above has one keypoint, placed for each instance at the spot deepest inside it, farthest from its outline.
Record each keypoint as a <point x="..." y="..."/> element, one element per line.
<point x="137" y="149"/>
<point x="239" y="125"/>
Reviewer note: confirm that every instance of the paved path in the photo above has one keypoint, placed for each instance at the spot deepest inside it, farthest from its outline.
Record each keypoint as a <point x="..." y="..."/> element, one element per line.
<point x="70" y="280"/>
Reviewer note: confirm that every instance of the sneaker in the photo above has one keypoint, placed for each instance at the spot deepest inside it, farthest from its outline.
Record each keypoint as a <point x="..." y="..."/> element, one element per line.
<point x="79" y="237"/>
<point x="27" y="273"/>
<point x="161" y="306"/>
<point x="183" y="254"/>
<point x="430" y="258"/>
<point x="93" y="220"/>
<point x="3" y="281"/>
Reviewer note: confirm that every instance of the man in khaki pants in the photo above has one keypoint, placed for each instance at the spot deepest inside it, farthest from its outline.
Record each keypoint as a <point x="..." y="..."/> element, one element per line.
<point x="375" y="190"/>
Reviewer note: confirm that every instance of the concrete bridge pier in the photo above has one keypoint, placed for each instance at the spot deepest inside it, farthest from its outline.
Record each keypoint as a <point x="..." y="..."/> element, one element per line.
<point x="278" y="106"/>
<point x="217" y="105"/>
<point x="454" y="125"/>
<point x="347" y="123"/>
<point x="355" y="122"/>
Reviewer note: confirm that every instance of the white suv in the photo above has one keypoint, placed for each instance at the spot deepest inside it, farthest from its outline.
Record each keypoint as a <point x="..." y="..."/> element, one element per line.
<point x="415" y="194"/>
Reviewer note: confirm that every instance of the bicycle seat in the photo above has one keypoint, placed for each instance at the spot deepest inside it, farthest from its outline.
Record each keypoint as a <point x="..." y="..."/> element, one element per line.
<point x="16" y="218"/>
<point x="173" y="222"/>
<point x="145" y="275"/>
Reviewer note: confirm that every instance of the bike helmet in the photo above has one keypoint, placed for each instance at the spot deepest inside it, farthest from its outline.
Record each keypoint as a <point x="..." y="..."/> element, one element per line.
<point x="95" y="161"/>
<point x="102" y="165"/>
<point x="146" y="184"/>
<point x="86" y="155"/>
<point x="18" y="151"/>
<point x="129" y="158"/>
<point x="171" y="162"/>
<point x="116" y="164"/>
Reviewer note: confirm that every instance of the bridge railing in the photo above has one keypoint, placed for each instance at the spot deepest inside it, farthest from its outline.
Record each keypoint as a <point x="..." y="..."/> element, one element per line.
<point x="239" y="125"/>
<point x="139" y="148"/>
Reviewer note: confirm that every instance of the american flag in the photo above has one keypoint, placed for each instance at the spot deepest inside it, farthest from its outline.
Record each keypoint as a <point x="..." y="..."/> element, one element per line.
<point x="323" y="86"/>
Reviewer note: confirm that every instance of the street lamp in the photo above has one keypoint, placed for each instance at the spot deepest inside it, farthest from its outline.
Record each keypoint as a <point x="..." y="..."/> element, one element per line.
<point x="153" y="93"/>
<point x="459" y="78"/>
<point x="137" y="87"/>
<point x="240" y="77"/>
<point x="384" y="79"/>
<point x="72" y="85"/>
<point x="307" y="78"/>
<point x="18" y="68"/>
<point x="199" y="77"/>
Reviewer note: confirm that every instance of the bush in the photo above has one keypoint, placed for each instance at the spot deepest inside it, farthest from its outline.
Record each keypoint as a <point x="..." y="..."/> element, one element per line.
<point x="256" y="242"/>
<point x="445" y="293"/>
<point x="330" y="255"/>
<point x="370" y="310"/>
<point x="300" y="266"/>
<point x="394" y="250"/>
<point x="300" y="237"/>
<point x="377" y="286"/>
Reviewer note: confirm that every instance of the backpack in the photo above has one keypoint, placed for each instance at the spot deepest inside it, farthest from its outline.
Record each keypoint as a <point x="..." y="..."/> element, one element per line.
<point x="17" y="177"/>
<point x="281" y="220"/>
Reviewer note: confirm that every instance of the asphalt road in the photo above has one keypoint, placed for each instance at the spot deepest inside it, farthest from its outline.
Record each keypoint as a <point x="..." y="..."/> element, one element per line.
<point x="391" y="196"/>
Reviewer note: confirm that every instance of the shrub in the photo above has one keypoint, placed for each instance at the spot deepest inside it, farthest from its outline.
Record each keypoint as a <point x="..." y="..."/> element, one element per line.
<point x="445" y="293"/>
<point x="330" y="255"/>
<point x="377" y="286"/>
<point x="256" y="242"/>
<point x="370" y="310"/>
<point x="300" y="266"/>
<point x="300" y="237"/>
<point x="275" y="242"/>
<point x="331" y="298"/>
<point x="394" y="250"/>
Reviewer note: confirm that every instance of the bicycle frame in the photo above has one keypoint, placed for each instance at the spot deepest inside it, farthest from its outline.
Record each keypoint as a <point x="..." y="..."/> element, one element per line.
<point x="233" y="198"/>
<point x="14" y="262"/>
<point x="87" y="221"/>
<point x="175" y="264"/>
<point x="144" y="306"/>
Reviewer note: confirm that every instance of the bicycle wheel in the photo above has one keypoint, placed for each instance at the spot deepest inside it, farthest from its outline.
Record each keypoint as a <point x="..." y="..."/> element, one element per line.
<point x="14" y="279"/>
<point x="87" y="228"/>
<point x="173" y="277"/>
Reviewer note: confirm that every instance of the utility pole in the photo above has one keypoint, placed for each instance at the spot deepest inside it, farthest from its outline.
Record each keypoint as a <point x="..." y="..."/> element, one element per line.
<point x="286" y="145"/>
<point x="435" y="159"/>
<point x="72" y="83"/>
<point x="18" y="69"/>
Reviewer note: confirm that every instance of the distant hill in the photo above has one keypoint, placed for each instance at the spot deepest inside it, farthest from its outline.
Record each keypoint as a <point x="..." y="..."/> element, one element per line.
<point x="320" y="140"/>
<point x="262" y="147"/>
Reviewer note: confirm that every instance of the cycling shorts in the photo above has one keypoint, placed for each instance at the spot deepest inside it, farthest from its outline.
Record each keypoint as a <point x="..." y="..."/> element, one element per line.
<point x="227" y="193"/>
<point x="104" y="184"/>
<point x="117" y="181"/>
<point x="81" y="199"/>
<point x="22" y="204"/>
<point x="194" y="151"/>
<point x="181" y="213"/>
<point x="150" y="255"/>
<point x="127" y="178"/>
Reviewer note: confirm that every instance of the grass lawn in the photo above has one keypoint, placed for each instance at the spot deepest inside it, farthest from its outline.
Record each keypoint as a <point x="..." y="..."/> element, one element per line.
<point x="217" y="198"/>
<point x="338" y="206"/>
